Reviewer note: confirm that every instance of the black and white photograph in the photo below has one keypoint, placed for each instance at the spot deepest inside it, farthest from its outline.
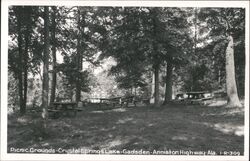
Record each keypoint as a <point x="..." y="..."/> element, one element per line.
<point x="127" y="80"/>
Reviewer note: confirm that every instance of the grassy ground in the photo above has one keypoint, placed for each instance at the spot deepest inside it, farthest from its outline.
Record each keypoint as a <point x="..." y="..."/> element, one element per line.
<point x="174" y="127"/>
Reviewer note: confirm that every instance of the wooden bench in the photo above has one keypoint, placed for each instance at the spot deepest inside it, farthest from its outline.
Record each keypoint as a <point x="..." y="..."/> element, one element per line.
<point x="59" y="108"/>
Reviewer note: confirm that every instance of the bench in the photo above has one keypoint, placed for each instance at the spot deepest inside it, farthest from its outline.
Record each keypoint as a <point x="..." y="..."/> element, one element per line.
<point x="59" y="108"/>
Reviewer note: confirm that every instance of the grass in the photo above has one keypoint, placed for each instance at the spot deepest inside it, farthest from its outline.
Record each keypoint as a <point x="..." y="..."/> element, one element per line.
<point x="175" y="127"/>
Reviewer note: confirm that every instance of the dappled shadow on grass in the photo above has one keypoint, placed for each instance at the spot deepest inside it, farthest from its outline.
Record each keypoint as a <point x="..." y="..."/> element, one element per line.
<point x="147" y="128"/>
<point x="227" y="128"/>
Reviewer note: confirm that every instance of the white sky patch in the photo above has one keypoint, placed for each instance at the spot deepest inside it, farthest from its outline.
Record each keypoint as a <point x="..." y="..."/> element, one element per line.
<point x="59" y="57"/>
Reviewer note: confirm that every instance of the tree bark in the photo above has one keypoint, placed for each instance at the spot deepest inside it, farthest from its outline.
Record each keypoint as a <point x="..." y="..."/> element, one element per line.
<point x="78" y="81"/>
<point x="157" y="88"/>
<point x="26" y="53"/>
<point x="232" y="94"/>
<point x="156" y="59"/>
<point x="45" y="91"/>
<point x="152" y="98"/>
<point x="25" y="62"/>
<point x="20" y="62"/>
<point x="53" y="37"/>
<point x="79" y="59"/>
<point x="169" y="83"/>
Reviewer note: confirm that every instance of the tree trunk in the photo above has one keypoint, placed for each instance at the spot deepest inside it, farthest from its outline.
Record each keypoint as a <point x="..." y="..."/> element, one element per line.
<point x="20" y="62"/>
<point x="232" y="94"/>
<point x="152" y="99"/>
<point x="78" y="82"/>
<point x="169" y="83"/>
<point x="25" y="75"/>
<point x="219" y="77"/>
<point x="79" y="59"/>
<point x="45" y="91"/>
<point x="157" y="89"/>
<point x="53" y="37"/>
<point x="25" y="60"/>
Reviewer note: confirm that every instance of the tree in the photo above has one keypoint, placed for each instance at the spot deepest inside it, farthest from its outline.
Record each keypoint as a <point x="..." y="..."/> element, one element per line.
<point x="232" y="94"/>
<point x="136" y="47"/>
<point x="226" y="25"/>
<point x="20" y="65"/>
<point x="71" y="75"/>
<point x="78" y="53"/>
<point x="45" y="91"/>
<point x="127" y="51"/>
<point x="176" y="41"/>
<point x="78" y="43"/>
<point x="143" y="39"/>
<point x="54" y="64"/>
<point x="168" y="82"/>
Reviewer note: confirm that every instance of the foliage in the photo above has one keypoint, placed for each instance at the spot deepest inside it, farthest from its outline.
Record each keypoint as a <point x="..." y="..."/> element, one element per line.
<point x="143" y="37"/>
<point x="213" y="26"/>
<point x="69" y="70"/>
<point x="12" y="92"/>
<point x="141" y="40"/>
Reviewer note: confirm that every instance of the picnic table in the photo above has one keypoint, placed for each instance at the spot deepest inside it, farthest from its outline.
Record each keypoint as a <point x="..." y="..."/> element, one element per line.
<point x="120" y="101"/>
<point x="113" y="101"/>
<point x="197" y="98"/>
<point x="195" y="95"/>
<point x="129" y="99"/>
<point x="59" y="108"/>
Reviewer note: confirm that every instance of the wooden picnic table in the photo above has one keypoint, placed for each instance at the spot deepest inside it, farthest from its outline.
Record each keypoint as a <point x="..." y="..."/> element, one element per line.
<point x="58" y="108"/>
<point x="121" y="101"/>
<point x="114" y="101"/>
<point x="129" y="99"/>
<point x="197" y="97"/>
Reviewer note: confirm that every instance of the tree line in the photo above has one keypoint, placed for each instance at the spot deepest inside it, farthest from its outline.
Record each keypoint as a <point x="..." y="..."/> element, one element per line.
<point x="195" y="48"/>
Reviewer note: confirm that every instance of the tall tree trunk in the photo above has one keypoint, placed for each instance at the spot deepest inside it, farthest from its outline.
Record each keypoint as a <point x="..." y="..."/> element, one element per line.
<point x="25" y="75"/>
<point x="53" y="37"/>
<point x="78" y="82"/>
<point x="45" y="91"/>
<point x="26" y="54"/>
<point x="169" y="83"/>
<point x="20" y="62"/>
<point x="156" y="59"/>
<point x="232" y="94"/>
<point x="79" y="59"/>
<point x="157" y="88"/>
<point x="152" y="98"/>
